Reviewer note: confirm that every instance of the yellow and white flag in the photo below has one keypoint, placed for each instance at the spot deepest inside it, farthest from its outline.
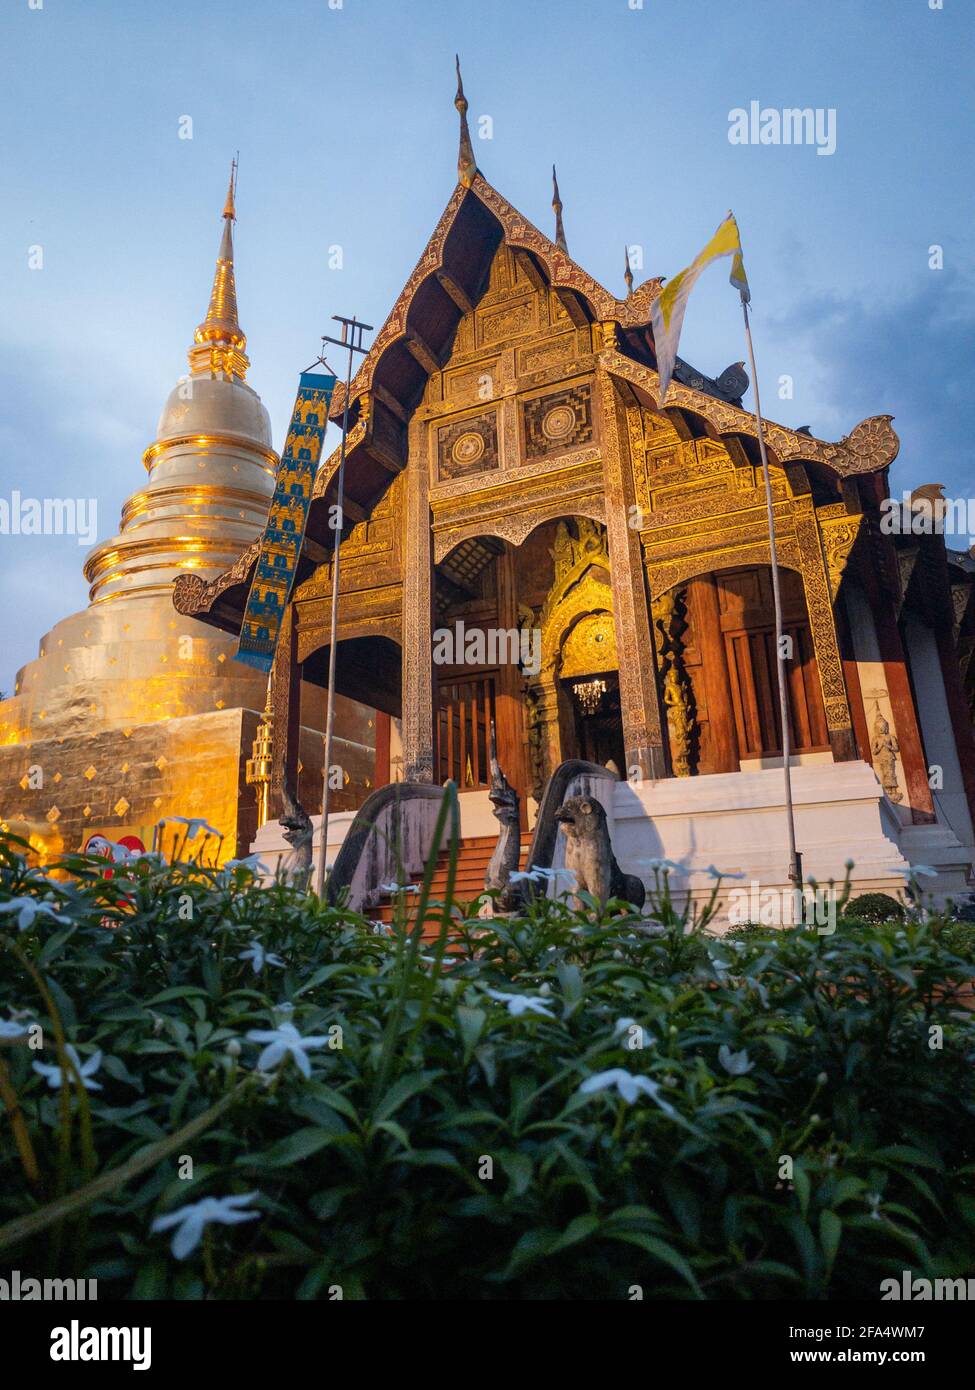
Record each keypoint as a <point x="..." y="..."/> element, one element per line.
<point x="667" y="311"/>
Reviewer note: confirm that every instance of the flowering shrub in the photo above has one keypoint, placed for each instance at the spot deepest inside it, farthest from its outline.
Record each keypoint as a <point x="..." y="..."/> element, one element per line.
<point x="213" y="1088"/>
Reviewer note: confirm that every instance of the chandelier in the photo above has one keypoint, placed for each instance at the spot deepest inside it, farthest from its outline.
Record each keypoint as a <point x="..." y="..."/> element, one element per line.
<point x="589" y="694"/>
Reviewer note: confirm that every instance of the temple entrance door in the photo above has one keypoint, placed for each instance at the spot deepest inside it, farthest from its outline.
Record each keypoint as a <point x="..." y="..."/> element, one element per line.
<point x="465" y="709"/>
<point x="748" y="627"/>
<point x="598" y="719"/>
<point x="724" y="634"/>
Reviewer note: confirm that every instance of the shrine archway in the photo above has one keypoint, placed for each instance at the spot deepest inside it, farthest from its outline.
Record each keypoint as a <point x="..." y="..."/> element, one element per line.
<point x="547" y="672"/>
<point x="715" y="640"/>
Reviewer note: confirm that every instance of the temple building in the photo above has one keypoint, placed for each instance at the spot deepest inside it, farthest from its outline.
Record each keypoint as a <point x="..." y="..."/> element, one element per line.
<point x="131" y="712"/>
<point x="531" y="539"/>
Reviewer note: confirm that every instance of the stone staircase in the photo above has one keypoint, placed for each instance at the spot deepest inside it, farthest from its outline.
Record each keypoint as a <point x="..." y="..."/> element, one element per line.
<point x="472" y="861"/>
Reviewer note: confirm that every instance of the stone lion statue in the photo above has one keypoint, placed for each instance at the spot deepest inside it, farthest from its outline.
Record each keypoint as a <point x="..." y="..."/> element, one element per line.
<point x="589" y="853"/>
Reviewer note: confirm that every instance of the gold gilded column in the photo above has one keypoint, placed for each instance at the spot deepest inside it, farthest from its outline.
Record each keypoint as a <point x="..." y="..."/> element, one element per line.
<point x="418" y="581"/>
<point x="642" y="729"/>
<point x="822" y="623"/>
<point x="285" y="704"/>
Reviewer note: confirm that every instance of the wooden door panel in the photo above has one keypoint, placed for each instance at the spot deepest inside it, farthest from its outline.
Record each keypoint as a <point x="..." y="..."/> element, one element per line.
<point x="465" y="709"/>
<point x="746" y="619"/>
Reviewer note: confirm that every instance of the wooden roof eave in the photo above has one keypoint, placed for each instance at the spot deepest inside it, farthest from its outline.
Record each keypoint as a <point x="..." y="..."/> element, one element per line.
<point x="869" y="448"/>
<point x="457" y="258"/>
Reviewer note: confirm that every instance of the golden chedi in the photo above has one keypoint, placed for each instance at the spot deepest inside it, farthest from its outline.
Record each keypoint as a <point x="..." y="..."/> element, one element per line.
<point x="131" y="712"/>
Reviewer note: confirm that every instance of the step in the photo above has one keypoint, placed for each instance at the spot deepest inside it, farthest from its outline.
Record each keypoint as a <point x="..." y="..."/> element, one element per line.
<point x="472" y="861"/>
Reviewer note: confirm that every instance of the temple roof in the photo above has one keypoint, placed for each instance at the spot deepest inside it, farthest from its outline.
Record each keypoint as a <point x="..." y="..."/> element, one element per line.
<point x="417" y="338"/>
<point x="450" y="277"/>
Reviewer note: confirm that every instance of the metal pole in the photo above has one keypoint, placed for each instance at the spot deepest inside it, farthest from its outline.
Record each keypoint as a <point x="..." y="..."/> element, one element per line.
<point x="348" y="340"/>
<point x="795" y="858"/>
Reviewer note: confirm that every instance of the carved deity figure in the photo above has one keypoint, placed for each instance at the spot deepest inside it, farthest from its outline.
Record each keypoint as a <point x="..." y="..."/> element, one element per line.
<point x="679" y="721"/>
<point x="536" y="752"/>
<point x="562" y="551"/>
<point x="884" y="748"/>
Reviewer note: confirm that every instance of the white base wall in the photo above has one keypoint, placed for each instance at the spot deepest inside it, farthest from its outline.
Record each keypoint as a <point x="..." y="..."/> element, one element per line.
<point x="734" y="822"/>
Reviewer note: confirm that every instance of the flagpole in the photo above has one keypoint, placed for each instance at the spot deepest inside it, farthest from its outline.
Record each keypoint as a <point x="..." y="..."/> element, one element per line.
<point x="353" y="341"/>
<point x="795" y="858"/>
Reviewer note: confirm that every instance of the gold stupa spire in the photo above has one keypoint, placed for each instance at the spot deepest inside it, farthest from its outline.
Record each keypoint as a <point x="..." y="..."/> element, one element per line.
<point x="557" y="208"/>
<point x="628" y="272"/>
<point x="219" y="342"/>
<point x="466" y="163"/>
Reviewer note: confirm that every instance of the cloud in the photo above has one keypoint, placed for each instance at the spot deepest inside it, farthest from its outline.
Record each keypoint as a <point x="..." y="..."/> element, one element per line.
<point x="909" y="357"/>
<point x="64" y="434"/>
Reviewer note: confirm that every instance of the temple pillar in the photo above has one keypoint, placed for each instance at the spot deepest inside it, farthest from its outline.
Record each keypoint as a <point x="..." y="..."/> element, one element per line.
<point x="822" y="625"/>
<point x="285" y="705"/>
<point x="880" y="654"/>
<point x="643" y="740"/>
<point x="545" y="732"/>
<point x="419" y="688"/>
<point x="961" y="722"/>
<point x="509" y="695"/>
<point x="383" y="724"/>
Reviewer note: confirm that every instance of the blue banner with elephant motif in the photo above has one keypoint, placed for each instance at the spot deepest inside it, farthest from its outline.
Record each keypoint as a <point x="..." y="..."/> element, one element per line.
<point x="277" y="562"/>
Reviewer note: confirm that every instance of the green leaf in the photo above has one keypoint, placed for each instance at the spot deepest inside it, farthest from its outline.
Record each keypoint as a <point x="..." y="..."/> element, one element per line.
<point x="471" y="1024"/>
<point x="660" y="1250"/>
<point x="830" y="1235"/>
<point x="177" y="992"/>
<point x="302" y="1144"/>
<point x="401" y="1091"/>
<point x="518" y="1168"/>
<point x="579" y="1229"/>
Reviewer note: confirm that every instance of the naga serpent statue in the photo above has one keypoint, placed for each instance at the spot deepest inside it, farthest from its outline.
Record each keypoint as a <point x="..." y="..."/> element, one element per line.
<point x="298" y="831"/>
<point x="507" y="852"/>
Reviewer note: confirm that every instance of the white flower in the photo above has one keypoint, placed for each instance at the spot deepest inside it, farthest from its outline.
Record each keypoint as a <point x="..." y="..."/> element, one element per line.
<point x="258" y="957"/>
<point x="12" y="1029"/>
<point x="250" y="861"/>
<point x="910" y="870"/>
<point x="86" y="1070"/>
<point x="399" y="888"/>
<point x="191" y="1220"/>
<point x="283" y="1042"/>
<point x="621" y="1024"/>
<point x="627" y="1084"/>
<point x="734" y="1063"/>
<point x="519" y="1004"/>
<point x="193" y="824"/>
<point x="381" y="929"/>
<point x="28" y="909"/>
<point x="660" y="865"/>
<point x="541" y="872"/>
<point x="123" y="854"/>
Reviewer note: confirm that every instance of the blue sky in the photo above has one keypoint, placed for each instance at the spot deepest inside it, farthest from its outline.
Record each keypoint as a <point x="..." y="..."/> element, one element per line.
<point x="347" y="135"/>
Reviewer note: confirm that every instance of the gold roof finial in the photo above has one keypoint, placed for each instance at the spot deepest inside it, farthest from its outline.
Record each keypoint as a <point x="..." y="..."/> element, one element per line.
<point x="466" y="163"/>
<point x="228" y="208"/>
<point x="219" y="342"/>
<point x="557" y="207"/>
<point x="628" y="273"/>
